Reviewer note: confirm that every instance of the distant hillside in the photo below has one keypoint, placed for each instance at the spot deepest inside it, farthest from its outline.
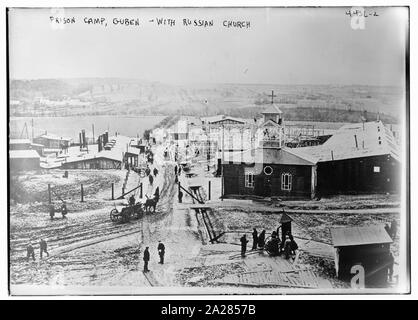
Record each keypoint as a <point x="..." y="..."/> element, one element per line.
<point x="67" y="97"/>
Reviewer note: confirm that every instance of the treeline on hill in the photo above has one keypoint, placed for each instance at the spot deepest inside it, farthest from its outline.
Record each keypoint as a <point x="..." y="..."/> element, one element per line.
<point x="52" y="88"/>
<point x="297" y="113"/>
<point x="315" y="114"/>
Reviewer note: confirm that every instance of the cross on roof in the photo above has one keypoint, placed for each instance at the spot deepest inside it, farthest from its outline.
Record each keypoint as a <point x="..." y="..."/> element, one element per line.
<point x="272" y="96"/>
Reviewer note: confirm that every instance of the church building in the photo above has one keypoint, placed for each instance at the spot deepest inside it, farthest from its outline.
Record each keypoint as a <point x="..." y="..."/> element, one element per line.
<point x="358" y="158"/>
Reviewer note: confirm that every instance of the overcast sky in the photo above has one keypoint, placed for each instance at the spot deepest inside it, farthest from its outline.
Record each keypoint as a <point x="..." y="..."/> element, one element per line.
<point x="282" y="46"/>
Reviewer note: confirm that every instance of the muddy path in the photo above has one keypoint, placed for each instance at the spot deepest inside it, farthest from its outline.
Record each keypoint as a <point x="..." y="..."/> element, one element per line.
<point x="79" y="230"/>
<point x="88" y="249"/>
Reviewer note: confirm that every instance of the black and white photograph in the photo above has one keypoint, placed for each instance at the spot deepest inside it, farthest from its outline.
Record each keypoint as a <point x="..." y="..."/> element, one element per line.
<point x="208" y="150"/>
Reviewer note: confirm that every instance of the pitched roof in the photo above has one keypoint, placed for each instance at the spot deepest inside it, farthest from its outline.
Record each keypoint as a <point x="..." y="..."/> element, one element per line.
<point x="285" y="218"/>
<point x="283" y="156"/>
<point x="354" y="141"/>
<point x="355" y="236"/>
<point x="273" y="108"/>
<point x="53" y="137"/>
<point x="220" y="118"/>
<point x="105" y="154"/>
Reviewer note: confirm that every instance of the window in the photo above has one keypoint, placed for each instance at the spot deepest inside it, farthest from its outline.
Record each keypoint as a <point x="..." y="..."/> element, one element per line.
<point x="376" y="169"/>
<point x="249" y="180"/>
<point x="286" y="181"/>
<point x="268" y="170"/>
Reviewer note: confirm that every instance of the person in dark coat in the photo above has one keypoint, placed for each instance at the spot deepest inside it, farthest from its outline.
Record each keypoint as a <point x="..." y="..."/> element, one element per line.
<point x="161" y="251"/>
<point x="30" y="252"/>
<point x="43" y="247"/>
<point x="132" y="200"/>
<point x="179" y="170"/>
<point x="51" y="211"/>
<point x="151" y="179"/>
<point x="180" y="196"/>
<point x="64" y="210"/>
<point x="293" y="245"/>
<point x="155" y="171"/>
<point x="244" y="242"/>
<point x="147" y="171"/>
<point x="255" y="239"/>
<point x="287" y="246"/>
<point x="146" y="259"/>
<point x="261" y="239"/>
<point x="175" y="169"/>
<point x="157" y="194"/>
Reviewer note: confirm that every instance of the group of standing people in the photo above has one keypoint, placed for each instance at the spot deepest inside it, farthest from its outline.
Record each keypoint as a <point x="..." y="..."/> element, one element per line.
<point x="275" y="245"/>
<point x="63" y="210"/>
<point x="161" y="253"/>
<point x="30" y="250"/>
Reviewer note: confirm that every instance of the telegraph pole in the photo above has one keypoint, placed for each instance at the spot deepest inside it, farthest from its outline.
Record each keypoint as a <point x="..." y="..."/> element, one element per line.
<point x="222" y="163"/>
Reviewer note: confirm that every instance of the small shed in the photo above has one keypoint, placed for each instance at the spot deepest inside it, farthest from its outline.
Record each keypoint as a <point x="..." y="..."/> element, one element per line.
<point x="51" y="141"/>
<point x="24" y="160"/>
<point x="366" y="246"/>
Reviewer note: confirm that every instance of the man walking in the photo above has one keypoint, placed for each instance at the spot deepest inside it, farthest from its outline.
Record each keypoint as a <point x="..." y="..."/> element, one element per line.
<point x="146" y="259"/>
<point x="43" y="247"/>
<point x="161" y="251"/>
<point x="255" y="239"/>
<point x="30" y="252"/>
<point x="244" y="242"/>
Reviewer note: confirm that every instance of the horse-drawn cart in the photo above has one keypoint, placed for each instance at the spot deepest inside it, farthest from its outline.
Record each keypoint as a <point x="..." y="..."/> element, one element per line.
<point x="127" y="213"/>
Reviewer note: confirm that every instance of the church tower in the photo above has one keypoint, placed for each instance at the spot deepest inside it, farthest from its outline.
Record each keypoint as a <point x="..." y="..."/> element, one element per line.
<point x="271" y="132"/>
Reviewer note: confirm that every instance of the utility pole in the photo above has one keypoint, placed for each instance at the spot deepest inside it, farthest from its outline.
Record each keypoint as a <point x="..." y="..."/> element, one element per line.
<point x="222" y="163"/>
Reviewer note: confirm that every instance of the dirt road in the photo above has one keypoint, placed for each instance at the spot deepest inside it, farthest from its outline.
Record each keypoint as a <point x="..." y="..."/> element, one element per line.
<point x="88" y="249"/>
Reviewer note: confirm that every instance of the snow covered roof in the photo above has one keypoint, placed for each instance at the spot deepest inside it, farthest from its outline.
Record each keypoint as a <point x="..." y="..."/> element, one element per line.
<point x="50" y="136"/>
<point x="119" y="147"/>
<point x="272" y="109"/>
<point x="19" y="141"/>
<point x="354" y="141"/>
<point x="20" y="154"/>
<point x="105" y="154"/>
<point x="354" y="236"/>
<point x="220" y="118"/>
<point x="284" y="156"/>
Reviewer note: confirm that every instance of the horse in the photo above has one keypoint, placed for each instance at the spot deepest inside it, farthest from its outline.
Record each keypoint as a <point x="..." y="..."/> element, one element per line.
<point x="151" y="203"/>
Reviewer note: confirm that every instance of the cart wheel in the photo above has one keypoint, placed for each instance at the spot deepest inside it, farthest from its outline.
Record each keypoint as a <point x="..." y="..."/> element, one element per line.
<point x="114" y="215"/>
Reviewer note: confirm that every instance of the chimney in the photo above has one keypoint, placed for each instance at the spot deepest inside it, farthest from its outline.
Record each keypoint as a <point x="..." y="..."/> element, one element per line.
<point x="355" y="138"/>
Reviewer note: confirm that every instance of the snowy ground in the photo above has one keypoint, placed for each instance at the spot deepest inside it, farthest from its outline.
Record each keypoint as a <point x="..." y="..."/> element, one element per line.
<point x="91" y="254"/>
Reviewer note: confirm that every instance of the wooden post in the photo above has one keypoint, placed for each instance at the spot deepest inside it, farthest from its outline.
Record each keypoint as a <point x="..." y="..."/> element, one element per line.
<point x="209" y="190"/>
<point x="140" y="191"/>
<point x="49" y="193"/>
<point x="113" y="191"/>
<point x="82" y="193"/>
